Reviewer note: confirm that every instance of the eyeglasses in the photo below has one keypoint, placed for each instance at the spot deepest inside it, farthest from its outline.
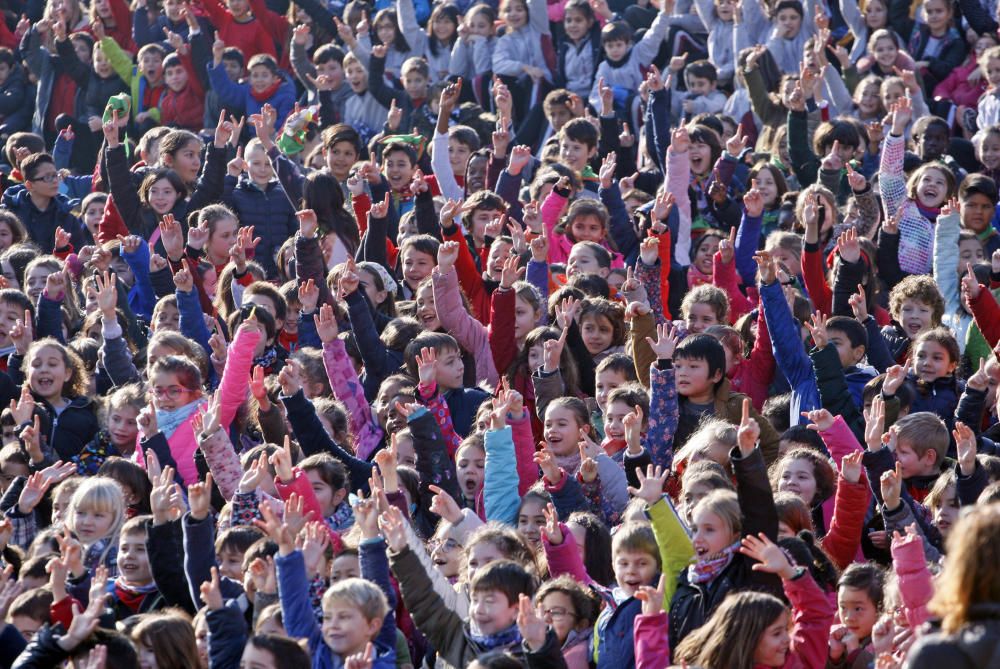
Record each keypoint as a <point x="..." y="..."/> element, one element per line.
<point x="50" y="178"/>
<point x="172" y="392"/>
<point x="447" y="546"/>
<point x="557" y="613"/>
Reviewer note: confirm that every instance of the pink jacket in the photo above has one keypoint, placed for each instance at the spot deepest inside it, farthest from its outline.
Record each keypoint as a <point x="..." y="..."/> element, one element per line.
<point x="232" y="393"/>
<point x="957" y="89"/>
<point x="471" y="335"/>
<point x="678" y="180"/>
<point x="524" y="451"/>
<point x="565" y="558"/>
<point x="347" y="388"/>
<point x="300" y="486"/>
<point x="560" y="245"/>
<point x="652" y="643"/>
<point x="812" y="615"/>
<point x="915" y="585"/>
<point x="840" y="441"/>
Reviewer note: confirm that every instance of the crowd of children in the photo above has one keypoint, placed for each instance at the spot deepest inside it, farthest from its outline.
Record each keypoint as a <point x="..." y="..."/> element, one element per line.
<point x="533" y="333"/>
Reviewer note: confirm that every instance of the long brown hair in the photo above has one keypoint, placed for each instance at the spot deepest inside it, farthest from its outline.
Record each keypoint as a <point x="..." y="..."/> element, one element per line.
<point x="729" y="638"/>
<point x="971" y="575"/>
<point x="170" y="635"/>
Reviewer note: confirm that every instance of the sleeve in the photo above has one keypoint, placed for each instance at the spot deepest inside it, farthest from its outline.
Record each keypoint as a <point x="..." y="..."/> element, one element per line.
<point x="227" y="635"/>
<point x="652" y="643"/>
<point x="120" y="61"/>
<point x="471" y="335"/>
<point x="663" y="414"/>
<point x="347" y="388"/>
<point x="163" y="544"/>
<point x="500" y="485"/>
<point x="987" y="314"/>
<point x="223" y="462"/>
<point x="747" y="243"/>
<point x="676" y="550"/>
<point x="192" y="319"/>
<point x="843" y="537"/>
<point x="789" y="354"/>
<point x="647" y="48"/>
<point x="293" y="590"/>
<point x="892" y="181"/>
<point x="434" y="464"/>
<point x="677" y="176"/>
<point x="565" y="558"/>
<point x="915" y="584"/>
<point x="539" y="16"/>
<point x="834" y="394"/>
<point x="757" y="501"/>
<point x="442" y="167"/>
<point x="805" y="164"/>
<point x="236" y="377"/>
<point x="946" y="232"/>
<point x="375" y="568"/>
<point x="812" y="615"/>
<point x="374" y="354"/>
<point x="814" y="277"/>
<point x="230" y="94"/>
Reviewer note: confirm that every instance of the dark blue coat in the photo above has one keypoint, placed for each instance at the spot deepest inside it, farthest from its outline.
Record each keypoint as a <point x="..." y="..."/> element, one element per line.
<point x="269" y="211"/>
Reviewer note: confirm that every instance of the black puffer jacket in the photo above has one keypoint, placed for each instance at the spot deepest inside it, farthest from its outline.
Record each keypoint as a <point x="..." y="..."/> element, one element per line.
<point x="975" y="646"/>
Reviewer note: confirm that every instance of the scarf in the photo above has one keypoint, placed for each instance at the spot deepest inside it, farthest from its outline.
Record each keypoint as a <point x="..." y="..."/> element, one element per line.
<point x="132" y="596"/>
<point x="708" y="568"/>
<point x="507" y="637"/>
<point x="168" y="420"/>
<point x="268" y="359"/>
<point x="342" y="518"/>
<point x="267" y="93"/>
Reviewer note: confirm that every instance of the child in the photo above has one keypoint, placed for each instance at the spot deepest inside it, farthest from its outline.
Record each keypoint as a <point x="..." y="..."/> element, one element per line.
<point x="585" y="220"/>
<point x="260" y="201"/>
<point x="40" y="206"/>
<point x="570" y="610"/>
<point x="915" y="200"/>
<point x="119" y="437"/>
<point x="859" y="604"/>
<point x="442" y="36"/>
<point x="717" y="17"/>
<point x="703" y="96"/>
<point x="267" y="85"/>
<point x="624" y="63"/>
<point x="751" y="629"/>
<point x="704" y="306"/>
<point x="518" y="57"/>
<point x="328" y="61"/>
<point x="449" y="378"/>
<point x="793" y="26"/>
<point x="579" y="53"/>
<point x="937" y="45"/>
<point x="145" y="80"/>
<point x="601" y="327"/>
<point x="134" y="590"/>
<point x="183" y="103"/>
<point x="473" y="50"/>
<point x="96" y="515"/>
<point x="935" y="358"/>
<point x="978" y="198"/>
<point x="238" y="26"/>
<point x="916" y="306"/>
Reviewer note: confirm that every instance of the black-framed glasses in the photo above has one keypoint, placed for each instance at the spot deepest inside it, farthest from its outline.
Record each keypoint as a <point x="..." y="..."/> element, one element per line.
<point x="50" y="178"/>
<point x="170" y="392"/>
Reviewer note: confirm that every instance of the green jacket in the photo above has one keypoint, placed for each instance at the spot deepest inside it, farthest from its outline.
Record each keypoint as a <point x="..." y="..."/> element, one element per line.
<point x="676" y="551"/>
<point x="121" y="63"/>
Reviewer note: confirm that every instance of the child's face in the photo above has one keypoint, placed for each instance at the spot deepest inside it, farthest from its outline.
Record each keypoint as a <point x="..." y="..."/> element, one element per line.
<point x="989" y="151"/>
<point x="327" y="497"/>
<point x="562" y="431"/>
<point x="92" y="217"/>
<point x="700" y="317"/>
<point x="710" y="533"/>
<point x="525" y="318"/>
<point x="169" y="393"/>
<point x="535" y="357"/>
<point x="529" y="521"/>
<point x="345" y="629"/>
<point x="9" y="315"/>
<point x="417" y="266"/>
<point x="375" y="296"/>
<point x="238" y="8"/>
<point x="444" y="28"/>
<point x="789" y="23"/>
<point x="470" y="465"/>
<point x="122" y="426"/>
<point x="458" y="155"/>
<point x="692" y="377"/>
<point x="475" y="174"/>
<point x="704" y="254"/>
<point x="912" y="464"/>
<point x="937" y="14"/>
<point x="260" y="166"/>
<point x="345" y="565"/>
<point x="798" y="477"/>
<point x="691" y="495"/>
<point x="725" y="9"/>
<point x="886" y="53"/>
<point x="11" y="470"/>
<point x="933" y="143"/>
<point x="357" y="77"/>
<point x="558" y="116"/>
<point x="175" y="78"/>
<point x="339" y="159"/>
<point x="587" y="228"/>
<point x="868" y="103"/>
<point x="946" y="515"/>
<point x="332" y="69"/>
<point x="791" y="261"/>
<point x="606" y="381"/>
<point x="774" y="642"/>
<point x="122" y="270"/>
<point x="616" y="50"/>
<point x="167" y="317"/>
<point x="849" y="355"/>
<point x="499" y="253"/>
<point x="48" y="373"/>
<point x="415" y="85"/>
<point x="597" y="332"/>
<point x="83" y="50"/>
<point x="426" y="312"/>
<point x="633" y="569"/>
<point x="970" y="252"/>
<point x="575" y="154"/>
<point x="490" y="612"/>
<point x="857" y="611"/>
<point x="133" y="561"/>
<point x="614" y="425"/>
<point x="977" y="210"/>
<point x="60" y="506"/>
<point x="701" y="158"/>
<point x="876" y="15"/>
<point x="583" y="260"/>
<point x="700" y="85"/>
<point x="151" y="66"/>
<point x="993" y="72"/>
<point x="91" y="524"/>
<point x="234" y="68"/>
<point x="450" y="370"/>
<point x="162" y="197"/>
<point x="514" y="13"/>
<point x="386" y="31"/>
<point x="479" y="219"/>
<point x="892" y="94"/>
<point x="576" y="25"/>
<point x="261" y="78"/>
<point x="932" y="188"/>
<point x="398" y="169"/>
<point x="479" y="24"/>
<point x="222" y="239"/>
<point x="933" y="361"/>
<point x="557" y="610"/>
<point x="915" y="316"/>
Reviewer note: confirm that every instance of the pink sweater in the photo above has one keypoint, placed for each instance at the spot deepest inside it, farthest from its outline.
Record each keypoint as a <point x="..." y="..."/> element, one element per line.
<point x="347" y="388"/>
<point x="232" y="393"/>
<point x="559" y="244"/>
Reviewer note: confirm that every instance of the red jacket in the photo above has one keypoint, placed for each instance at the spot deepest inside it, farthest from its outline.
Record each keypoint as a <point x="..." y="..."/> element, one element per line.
<point x="986" y="311"/>
<point x="250" y="37"/>
<point x="753" y="376"/>
<point x="185" y="108"/>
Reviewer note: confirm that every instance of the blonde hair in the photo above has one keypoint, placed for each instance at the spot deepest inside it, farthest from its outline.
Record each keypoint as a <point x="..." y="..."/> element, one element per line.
<point x="708" y="431"/>
<point x="713" y="296"/>
<point x="636" y="537"/>
<point x="725" y="505"/>
<point x="359" y="593"/>
<point x="971" y="574"/>
<point x="100" y="493"/>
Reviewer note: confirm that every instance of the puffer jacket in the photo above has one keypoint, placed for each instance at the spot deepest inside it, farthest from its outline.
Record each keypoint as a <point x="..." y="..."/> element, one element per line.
<point x="269" y="210"/>
<point x="976" y="645"/>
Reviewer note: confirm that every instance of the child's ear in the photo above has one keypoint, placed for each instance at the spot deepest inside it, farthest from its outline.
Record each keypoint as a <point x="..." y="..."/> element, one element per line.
<point x="859" y="353"/>
<point x="339" y="495"/>
<point x="715" y="378"/>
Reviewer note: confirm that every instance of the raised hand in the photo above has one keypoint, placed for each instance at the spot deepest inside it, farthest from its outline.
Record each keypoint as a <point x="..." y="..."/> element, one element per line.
<point x="652" y="598"/>
<point x="326" y="324"/>
<point x="651" y="484"/>
<point x="290" y="378"/>
<point x="850" y="466"/>
<point x="769" y="556"/>
<point x="262" y="572"/>
<point x="520" y="156"/>
<point x="749" y="431"/>
<point x="308" y="296"/>
<point x="380" y="209"/>
<point x="183" y="280"/>
<point x="308" y="223"/>
<point x="737" y="143"/>
<point x="859" y="304"/>
<point x="588" y="466"/>
<point x="607" y="173"/>
<point x="552" y="352"/>
<point x="510" y="272"/>
<point x="146" y="421"/>
<point x="447" y="257"/>
<point x="200" y="498"/>
<point x="817" y="329"/>
<point x="275" y="529"/>
<point x="856" y="179"/>
<point x="965" y="445"/>
<point x="633" y="430"/>
<point x="33" y="492"/>
<point x="444" y="505"/>
<point x="970" y="285"/>
<point x="767" y="268"/>
<point x="349" y="279"/>
<point x="110" y="128"/>
<point x="665" y="343"/>
<point x="894" y="378"/>
<point x="211" y="592"/>
<point x="532" y="628"/>
<point x="875" y="424"/>
<point x="680" y="141"/>
<point x="980" y="380"/>
<point x="281" y="460"/>
<point x="891" y="484"/>
<point x="393" y="527"/>
<point x="902" y="112"/>
<point x="821" y="419"/>
<point x="550" y="469"/>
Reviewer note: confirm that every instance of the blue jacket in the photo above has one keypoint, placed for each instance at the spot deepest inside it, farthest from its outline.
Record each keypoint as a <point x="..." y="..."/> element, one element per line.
<point x="789" y="352"/>
<point x="269" y="211"/>
<point x="239" y="95"/>
<point x="614" y="638"/>
<point x="938" y="397"/>
<point x="41" y="225"/>
<point x="463" y="403"/>
<point x="293" y="589"/>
